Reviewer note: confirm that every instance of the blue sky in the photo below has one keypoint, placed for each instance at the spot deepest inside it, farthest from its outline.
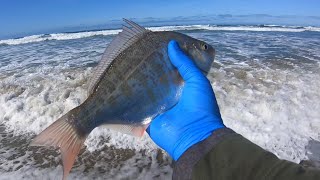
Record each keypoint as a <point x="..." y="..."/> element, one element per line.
<point x="25" y="16"/>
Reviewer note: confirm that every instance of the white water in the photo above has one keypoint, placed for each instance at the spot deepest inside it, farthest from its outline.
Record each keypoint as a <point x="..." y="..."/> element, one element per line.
<point x="276" y="109"/>
<point x="77" y="35"/>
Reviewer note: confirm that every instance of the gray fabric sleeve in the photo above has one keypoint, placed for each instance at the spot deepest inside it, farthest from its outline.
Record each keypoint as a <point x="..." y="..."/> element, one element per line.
<point x="183" y="167"/>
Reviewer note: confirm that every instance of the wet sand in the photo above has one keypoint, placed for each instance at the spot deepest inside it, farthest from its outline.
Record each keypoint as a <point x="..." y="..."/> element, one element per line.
<point x="107" y="162"/>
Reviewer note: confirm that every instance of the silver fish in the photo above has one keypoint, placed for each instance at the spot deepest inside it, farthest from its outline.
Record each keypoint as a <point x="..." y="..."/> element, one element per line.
<point x="133" y="83"/>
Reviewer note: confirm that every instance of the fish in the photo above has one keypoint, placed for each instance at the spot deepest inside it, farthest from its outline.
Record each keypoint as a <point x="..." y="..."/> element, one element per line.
<point x="133" y="83"/>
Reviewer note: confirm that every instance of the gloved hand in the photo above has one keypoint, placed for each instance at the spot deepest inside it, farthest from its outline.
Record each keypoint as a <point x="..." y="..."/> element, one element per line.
<point x="195" y="116"/>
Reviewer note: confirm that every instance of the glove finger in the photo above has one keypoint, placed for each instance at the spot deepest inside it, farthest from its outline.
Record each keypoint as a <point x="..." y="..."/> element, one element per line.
<point x="186" y="67"/>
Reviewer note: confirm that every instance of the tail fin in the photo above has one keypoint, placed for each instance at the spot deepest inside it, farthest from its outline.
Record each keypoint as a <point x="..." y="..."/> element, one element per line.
<point x="63" y="135"/>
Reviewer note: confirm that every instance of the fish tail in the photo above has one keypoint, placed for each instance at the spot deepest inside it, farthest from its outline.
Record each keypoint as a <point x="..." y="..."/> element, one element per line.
<point x="62" y="134"/>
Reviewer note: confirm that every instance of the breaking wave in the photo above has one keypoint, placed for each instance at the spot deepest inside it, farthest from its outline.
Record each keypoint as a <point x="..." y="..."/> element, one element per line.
<point x="78" y="35"/>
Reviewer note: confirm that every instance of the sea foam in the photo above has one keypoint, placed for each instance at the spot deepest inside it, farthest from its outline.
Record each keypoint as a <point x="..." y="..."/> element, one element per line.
<point x="78" y="35"/>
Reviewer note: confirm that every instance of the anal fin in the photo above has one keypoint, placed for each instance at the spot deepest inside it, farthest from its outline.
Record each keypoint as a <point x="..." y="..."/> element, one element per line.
<point x="137" y="131"/>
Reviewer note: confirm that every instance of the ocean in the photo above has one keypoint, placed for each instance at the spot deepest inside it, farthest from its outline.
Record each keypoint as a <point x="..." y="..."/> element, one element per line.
<point x="266" y="79"/>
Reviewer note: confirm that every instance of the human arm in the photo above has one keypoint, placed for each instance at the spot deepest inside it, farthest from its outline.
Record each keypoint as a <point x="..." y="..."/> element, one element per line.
<point x="194" y="135"/>
<point x="228" y="155"/>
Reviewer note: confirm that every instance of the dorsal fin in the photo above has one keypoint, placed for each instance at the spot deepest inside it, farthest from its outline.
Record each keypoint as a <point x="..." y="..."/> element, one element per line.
<point x="129" y="35"/>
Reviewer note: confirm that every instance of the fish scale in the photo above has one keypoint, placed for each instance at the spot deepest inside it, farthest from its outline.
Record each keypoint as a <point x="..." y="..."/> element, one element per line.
<point x="133" y="83"/>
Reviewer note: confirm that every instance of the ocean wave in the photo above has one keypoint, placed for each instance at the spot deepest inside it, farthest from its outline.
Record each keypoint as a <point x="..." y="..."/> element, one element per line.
<point x="264" y="84"/>
<point x="57" y="36"/>
<point x="78" y="35"/>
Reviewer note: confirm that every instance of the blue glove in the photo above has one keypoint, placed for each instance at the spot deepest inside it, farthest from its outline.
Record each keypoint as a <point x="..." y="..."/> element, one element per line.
<point x="195" y="116"/>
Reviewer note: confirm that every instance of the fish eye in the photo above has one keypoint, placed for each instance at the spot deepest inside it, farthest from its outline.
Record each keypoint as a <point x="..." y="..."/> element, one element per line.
<point x="205" y="46"/>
